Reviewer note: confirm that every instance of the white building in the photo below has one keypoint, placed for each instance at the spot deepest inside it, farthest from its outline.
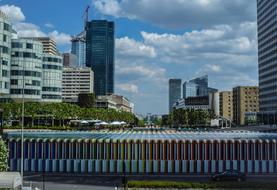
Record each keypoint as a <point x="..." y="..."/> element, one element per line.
<point x="76" y="81"/>
<point x="114" y="101"/>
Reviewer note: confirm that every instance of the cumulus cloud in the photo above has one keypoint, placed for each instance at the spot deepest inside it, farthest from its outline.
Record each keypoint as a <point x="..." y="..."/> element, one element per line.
<point x="25" y="29"/>
<point x="131" y="88"/>
<point x="180" y="13"/>
<point x="60" y="38"/>
<point x="14" y="12"/>
<point x="49" y="25"/>
<point x="129" y="47"/>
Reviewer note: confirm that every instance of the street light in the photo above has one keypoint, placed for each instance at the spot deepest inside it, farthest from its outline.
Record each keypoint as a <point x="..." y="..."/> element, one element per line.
<point x="22" y="120"/>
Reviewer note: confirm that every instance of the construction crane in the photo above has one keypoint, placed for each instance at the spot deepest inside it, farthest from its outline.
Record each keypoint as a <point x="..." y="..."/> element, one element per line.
<point x="85" y="15"/>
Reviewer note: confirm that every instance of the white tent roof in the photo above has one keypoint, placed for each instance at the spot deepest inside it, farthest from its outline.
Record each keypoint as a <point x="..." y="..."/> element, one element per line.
<point x="10" y="180"/>
<point x="116" y="123"/>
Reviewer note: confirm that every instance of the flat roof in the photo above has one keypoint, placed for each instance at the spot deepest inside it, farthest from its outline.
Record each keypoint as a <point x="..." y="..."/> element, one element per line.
<point x="145" y="135"/>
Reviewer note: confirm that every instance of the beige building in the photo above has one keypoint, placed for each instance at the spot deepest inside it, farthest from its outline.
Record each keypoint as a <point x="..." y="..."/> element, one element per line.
<point x="76" y="81"/>
<point x="49" y="45"/>
<point x="114" y="101"/>
<point x="245" y="100"/>
<point x="226" y="104"/>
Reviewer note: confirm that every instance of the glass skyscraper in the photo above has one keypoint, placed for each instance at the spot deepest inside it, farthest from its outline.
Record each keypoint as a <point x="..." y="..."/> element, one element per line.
<point x="189" y="89"/>
<point x="174" y="92"/>
<point x="202" y="85"/>
<point x="100" y="54"/>
<point x="78" y="48"/>
<point x="267" y="48"/>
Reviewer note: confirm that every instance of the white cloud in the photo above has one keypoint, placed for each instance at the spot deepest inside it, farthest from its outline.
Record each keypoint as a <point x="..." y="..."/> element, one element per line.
<point x="60" y="38"/>
<point x="14" y="12"/>
<point x="131" y="88"/>
<point x="180" y="13"/>
<point x="129" y="47"/>
<point x="49" y="25"/>
<point x="28" y="30"/>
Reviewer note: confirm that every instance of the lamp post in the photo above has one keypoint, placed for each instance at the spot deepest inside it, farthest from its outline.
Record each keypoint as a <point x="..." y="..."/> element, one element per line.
<point x="22" y="121"/>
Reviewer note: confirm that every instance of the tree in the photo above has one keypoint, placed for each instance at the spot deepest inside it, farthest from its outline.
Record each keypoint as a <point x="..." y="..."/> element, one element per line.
<point x="86" y="100"/>
<point x="3" y="156"/>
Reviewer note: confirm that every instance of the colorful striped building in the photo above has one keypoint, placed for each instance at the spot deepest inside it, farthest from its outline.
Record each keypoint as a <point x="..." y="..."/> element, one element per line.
<point x="145" y="152"/>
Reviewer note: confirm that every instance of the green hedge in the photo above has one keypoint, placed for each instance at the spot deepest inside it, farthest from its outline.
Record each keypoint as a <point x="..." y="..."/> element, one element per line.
<point x="168" y="184"/>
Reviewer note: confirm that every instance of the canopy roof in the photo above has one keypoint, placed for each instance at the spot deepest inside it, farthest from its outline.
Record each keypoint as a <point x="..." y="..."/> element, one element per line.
<point x="144" y="135"/>
<point x="10" y="180"/>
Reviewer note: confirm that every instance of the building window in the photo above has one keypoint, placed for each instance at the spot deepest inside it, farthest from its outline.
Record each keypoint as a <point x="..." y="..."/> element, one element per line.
<point x="14" y="82"/>
<point x="4" y="38"/>
<point x="6" y="85"/>
<point x="29" y="46"/>
<point x="17" y="45"/>
<point x="4" y="73"/>
<point x="4" y="62"/>
<point x="6" y="27"/>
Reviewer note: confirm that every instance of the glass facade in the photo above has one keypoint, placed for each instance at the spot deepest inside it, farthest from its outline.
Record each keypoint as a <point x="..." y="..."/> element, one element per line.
<point x="202" y="85"/>
<point x="267" y="35"/>
<point x="174" y="92"/>
<point x="189" y="89"/>
<point x="78" y="48"/>
<point x="5" y="56"/>
<point x="100" y="55"/>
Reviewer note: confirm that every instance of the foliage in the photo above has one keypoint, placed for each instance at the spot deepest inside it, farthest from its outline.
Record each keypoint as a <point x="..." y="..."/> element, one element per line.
<point x="190" y="117"/>
<point x="61" y="113"/>
<point x="167" y="184"/>
<point x="86" y="100"/>
<point x="3" y="156"/>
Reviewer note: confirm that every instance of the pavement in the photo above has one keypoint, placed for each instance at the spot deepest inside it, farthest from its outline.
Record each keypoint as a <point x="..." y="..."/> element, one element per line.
<point x="108" y="182"/>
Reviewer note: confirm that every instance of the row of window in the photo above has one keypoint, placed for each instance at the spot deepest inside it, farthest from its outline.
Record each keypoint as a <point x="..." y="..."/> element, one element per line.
<point x="51" y="89"/>
<point x="26" y="73"/>
<point x="50" y="96"/>
<point x="54" y="67"/>
<point x="25" y="55"/>
<point x="20" y="45"/>
<point x="26" y="91"/>
<point x="52" y="59"/>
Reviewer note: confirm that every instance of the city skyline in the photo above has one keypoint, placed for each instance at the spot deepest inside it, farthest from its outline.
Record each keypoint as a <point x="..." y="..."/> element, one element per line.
<point x="150" y="52"/>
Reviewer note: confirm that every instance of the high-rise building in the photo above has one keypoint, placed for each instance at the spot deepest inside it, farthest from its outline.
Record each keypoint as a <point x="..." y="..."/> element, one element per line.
<point x="5" y="53"/>
<point x="189" y="89"/>
<point x="226" y="104"/>
<point x="78" y="48"/>
<point x="70" y="60"/>
<point x="52" y="78"/>
<point x="245" y="100"/>
<point x="76" y="81"/>
<point x="174" y="92"/>
<point x="267" y="35"/>
<point x="49" y="45"/>
<point x="26" y="70"/>
<point x="100" y="55"/>
<point x="202" y="85"/>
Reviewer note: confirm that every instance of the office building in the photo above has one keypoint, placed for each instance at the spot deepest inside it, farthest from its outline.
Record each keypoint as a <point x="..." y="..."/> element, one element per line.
<point x="5" y="53"/>
<point x="202" y="85"/>
<point x="100" y="55"/>
<point x="114" y="101"/>
<point x="174" y="92"/>
<point x="267" y="35"/>
<point x="189" y="89"/>
<point x="49" y="45"/>
<point x="226" y="104"/>
<point x="78" y="48"/>
<point x="27" y="55"/>
<point x="52" y="78"/>
<point x="70" y="60"/>
<point x="206" y="103"/>
<point x="245" y="100"/>
<point x="76" y="81"/>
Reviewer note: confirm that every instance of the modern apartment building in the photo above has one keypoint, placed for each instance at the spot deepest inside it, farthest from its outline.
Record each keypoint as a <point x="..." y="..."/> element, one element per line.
<point x="226" y="104"/>
<point x="100" y="55"/>
<point x="174" y="92"/>
<point x="76" y="81"/>
<point x="267" y="35"/>
<point x="52" y="70"/>
<point x="26" y="70"/>
<point x="5" y="53"/>
<point x="49" y="45"/>
<point x="245" y="100"/>
<point x="78" y="48"/>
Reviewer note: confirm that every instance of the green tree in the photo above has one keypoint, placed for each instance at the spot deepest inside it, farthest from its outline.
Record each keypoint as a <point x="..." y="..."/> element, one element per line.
<point x="86" y="100"/>
<point x="3" y="156"/>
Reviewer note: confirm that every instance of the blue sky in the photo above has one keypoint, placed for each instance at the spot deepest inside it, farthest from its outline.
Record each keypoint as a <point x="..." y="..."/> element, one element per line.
<point x="156" y="40"/>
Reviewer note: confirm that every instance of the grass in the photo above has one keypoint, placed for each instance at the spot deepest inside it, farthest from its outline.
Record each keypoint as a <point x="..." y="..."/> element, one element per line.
<point x="204" y="185"/>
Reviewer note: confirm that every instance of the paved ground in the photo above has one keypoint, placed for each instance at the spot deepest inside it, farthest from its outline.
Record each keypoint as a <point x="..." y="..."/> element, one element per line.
<point x="108" y="182"/>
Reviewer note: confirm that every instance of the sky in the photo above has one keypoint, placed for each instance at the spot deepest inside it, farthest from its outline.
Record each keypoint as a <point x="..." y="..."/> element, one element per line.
<point x="156" y="40"/>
